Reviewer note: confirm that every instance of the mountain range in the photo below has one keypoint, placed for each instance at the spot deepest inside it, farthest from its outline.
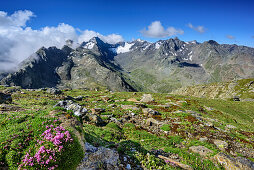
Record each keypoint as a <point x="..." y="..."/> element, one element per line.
<point x="162" y="66"/>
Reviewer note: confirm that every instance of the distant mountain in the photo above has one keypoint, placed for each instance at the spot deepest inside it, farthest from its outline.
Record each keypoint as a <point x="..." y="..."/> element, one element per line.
<point x="139" y="65"/>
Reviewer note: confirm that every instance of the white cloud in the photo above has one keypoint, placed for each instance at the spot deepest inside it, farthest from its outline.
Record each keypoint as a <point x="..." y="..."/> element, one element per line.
<point x="230" y="37"/>
<point x="17" y="41"/>
<point x="88" y="34"/>
<point x="156" y="30"/>
<point x="200" y="29"/>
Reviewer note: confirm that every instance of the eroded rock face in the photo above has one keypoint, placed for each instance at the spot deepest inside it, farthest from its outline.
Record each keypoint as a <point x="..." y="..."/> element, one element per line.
<point x="99" y="158"/>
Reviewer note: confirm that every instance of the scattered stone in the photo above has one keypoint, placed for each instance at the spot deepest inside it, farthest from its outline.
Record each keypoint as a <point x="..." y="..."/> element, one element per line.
<point x="203" y="139"/>
<point x="133" y="114"/>
<point x="12" y="90"/>
<point x="68" y="98"/>
<point x="222" y="145"/>
<point x="181" y="102"/>
<point x="248" y="99"/>
<point x="179" y="164"/>
<point x="54" y="91"/>
<point x="230" y="127"/>
<point x="141" y="105"/>
<point x="132" y="100"/>
<point x="230" y="163"/>
<point x="130" y="107"/>
<point x="197" y="116"/>
<point x="152" y="122"/>
<point x="210" y="124"/>
<point x="112" y="105"/>
<point x="236" y="98"/>
<point x="208" y="108"/>
<point x="97" y="110"/>
<point x="150" y="112"/>
<point x="5" y="98"/>
<point x="70" y="105"/>
<point x="79" y="98"/>
<point x="99" y="158"/>
<point x="105" y="98"/>
<point x="147" y="98"/>
<point x="201" y="150"/>
<point x="94" y="119"/>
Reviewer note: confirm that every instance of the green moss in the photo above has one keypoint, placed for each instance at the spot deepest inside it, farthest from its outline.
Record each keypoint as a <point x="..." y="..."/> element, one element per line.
<point x="165" y="127"/>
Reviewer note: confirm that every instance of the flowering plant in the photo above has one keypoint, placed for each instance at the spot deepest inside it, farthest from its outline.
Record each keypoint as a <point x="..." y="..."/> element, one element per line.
<point x="50" y="146"/>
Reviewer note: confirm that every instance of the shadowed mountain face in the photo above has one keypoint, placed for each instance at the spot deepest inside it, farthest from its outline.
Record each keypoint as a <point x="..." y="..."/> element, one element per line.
<point x="162" y="66"/>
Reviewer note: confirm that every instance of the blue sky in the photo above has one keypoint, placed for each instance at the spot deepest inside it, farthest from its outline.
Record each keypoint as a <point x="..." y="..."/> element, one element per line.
<point x="218" y="19"/>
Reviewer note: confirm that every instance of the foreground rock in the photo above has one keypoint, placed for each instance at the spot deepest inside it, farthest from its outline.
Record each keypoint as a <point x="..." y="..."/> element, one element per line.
<point x="54" y="91"/>
<point x="99" y="158"/>
<point x="147" y="98"/>
<point x="201" y="150"/>
<point x="5" y="98"/>
<point x="230" y="163"/>
<point x="70" y="105"/>
<point x="150" y="112"/>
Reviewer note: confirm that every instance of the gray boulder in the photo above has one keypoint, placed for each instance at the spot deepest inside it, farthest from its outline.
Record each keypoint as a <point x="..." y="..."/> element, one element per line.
<point x="99" y="158"/>
<point x="147" y="98"/>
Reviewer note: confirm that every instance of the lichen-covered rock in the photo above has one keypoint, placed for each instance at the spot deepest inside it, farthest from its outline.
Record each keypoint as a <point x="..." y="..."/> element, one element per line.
<point x="54" y="91"/>
<point x="150" y="112"/>
<point x="131" y="107"/>
<point x="70" y="105"/>
<point x="152" y="122"/>
<point x="147" y="98"/>
<point x="99" y="158"/>
<point x="230" y="163"/>
<point x="222" y="145"/>
<point x="94" y="119"/>
<point x="97" y="110"/>
<point x="201" y="150"/>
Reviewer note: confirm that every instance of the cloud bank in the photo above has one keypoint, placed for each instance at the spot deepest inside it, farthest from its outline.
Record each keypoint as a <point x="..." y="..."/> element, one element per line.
<point x="200" y="29"/>
<point x="156" y="30"/>
<point x="17" y="41"/>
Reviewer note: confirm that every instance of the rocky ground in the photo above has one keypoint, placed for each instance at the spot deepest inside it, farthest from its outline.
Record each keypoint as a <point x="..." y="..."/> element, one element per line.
<point x="132" y="130"/>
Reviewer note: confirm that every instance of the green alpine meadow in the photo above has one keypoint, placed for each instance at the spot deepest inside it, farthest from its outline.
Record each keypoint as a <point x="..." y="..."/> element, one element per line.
<point x="126" y="85"/>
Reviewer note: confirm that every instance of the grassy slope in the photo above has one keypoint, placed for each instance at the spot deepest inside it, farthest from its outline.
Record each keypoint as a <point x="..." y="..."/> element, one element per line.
<point x="131" y="139"/>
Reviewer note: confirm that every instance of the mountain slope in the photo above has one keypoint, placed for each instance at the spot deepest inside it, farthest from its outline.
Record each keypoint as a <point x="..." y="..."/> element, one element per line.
<point x="163" y="66"/>
<point x="88" y="66"/>
<point x="169" y="64"/>
<point x="242" y="89"/>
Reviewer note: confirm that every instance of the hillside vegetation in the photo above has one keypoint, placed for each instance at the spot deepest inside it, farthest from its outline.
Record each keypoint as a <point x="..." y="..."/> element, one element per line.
<point x="133" y="129"/>
<point x="243" y="89"/>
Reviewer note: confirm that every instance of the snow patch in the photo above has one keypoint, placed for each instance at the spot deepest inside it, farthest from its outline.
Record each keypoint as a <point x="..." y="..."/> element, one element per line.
<point x="125" y="48"/>
<point x="190" y="57"/>
<point x="146" y="46"/>
<point x="89" y="45"/>
<point x="157" y="45"/>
